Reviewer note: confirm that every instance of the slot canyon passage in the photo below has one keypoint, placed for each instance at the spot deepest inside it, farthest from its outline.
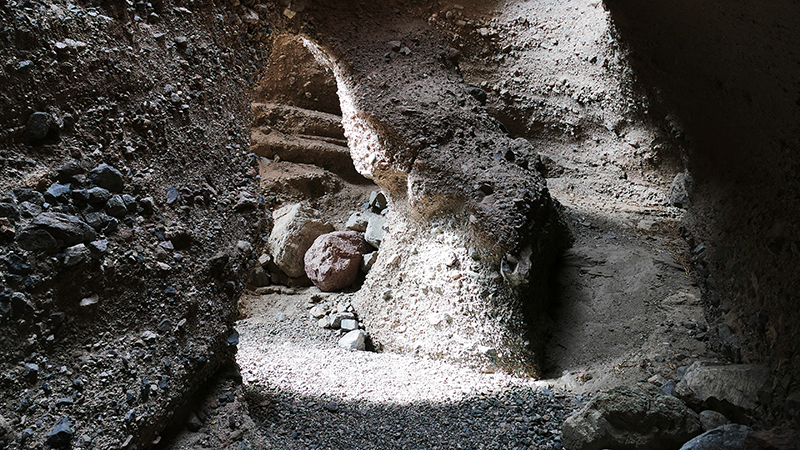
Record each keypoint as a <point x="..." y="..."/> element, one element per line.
<point x="321" y="224"/>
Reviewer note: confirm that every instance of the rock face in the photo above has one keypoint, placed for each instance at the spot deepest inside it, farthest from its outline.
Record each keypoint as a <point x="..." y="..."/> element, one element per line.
<point x="295" y="229"/>
<point x="733" y="390"/>
<point x="332" y="262"/>
<point x="631" y="418"/>
<point x="453" y="181"/>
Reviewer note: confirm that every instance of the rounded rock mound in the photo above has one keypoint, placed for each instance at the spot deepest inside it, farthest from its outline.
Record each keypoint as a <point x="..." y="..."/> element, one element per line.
<point x="333" y="260"/>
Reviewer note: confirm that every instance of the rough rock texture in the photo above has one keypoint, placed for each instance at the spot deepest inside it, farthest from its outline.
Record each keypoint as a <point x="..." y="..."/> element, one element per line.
<point x="727" y="437"/>
<point x="333" y="260"/>
<point x="124" y="326"/>
<point x="296" y="226"/>
<point x="734" y="94"/>
<point x="735" y="390"/>
<point x="454" y="180"/>
<point x="631" y="418"/>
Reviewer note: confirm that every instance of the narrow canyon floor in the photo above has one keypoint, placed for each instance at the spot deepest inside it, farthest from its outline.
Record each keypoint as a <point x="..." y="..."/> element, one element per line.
<point x="626" y="311"/>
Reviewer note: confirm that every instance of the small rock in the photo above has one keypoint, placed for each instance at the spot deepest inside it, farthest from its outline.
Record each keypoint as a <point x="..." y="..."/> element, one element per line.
<point x="76" y="255"/>
<point x="193" y="423"/>
<point x="324" y="322"/>
<point x="354" y="340"/>
<point x="679" y="192"/>
<point x="149" y="337"/>
<point x="9" y="211"/>
<point x="734" y="390"/>
<point x="36" y="239"/>
<point x="332" y="406"/>
<point x="710" y="419"/>
<point x="172" y="195"/>
<point x="31" y="372"/>
<point x="107" y="177"/>
<point x="38" y="126"/>
<point x="332" y="262"/>
<point x="55" y="228"/>
<point x="245" y="202"/>
<point x="375" y="230"/>
<point x="29" y="195"/>
<point x="377" y="202"/>
<point x="147" y="205"/>
<point x="28" y="209"/>
<point x="395" y="46"/>
<point x="57" y="193"/>
<point x="116" y="207"/>
<point x="349" y="324"/>
<point x="317" y="312"/>
<point x="61" y="434"/>
<point x="368" y="260"/>
<point x="259" y="277"/>
<point x="97" y="195"/>
<point x="336" y="319"/>
<point x="280" y="317"/>
<point x="89" y="301"/>
<point x="727" y="437"/>
<point x="358" y="221"/>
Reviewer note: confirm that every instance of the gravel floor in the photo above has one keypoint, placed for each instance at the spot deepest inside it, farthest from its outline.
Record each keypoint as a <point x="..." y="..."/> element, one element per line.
<point x="305" y="392"/>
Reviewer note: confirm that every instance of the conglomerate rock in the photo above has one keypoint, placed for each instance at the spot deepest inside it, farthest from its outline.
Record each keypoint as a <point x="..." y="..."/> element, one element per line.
<point x="472" y="230"/>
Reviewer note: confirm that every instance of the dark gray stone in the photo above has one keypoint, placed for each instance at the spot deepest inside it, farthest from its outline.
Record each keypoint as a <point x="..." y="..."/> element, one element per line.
<point x="130" y="203"/>
<point x="38" y="126"/>
<point x="61" y="434"/>
<point x="116" y="206"/>
<point x="727" y="437"/>
<point x="36" y="239"/>
<point x="193" y="423"/>
<point x="29" y="195"/>
<point x="9" y="211"/>
<point x="98" y="195"/>
<point x="68" y="170"/>
<point x="57" y="193"/>
<point x="28" y="209"/>
<point x="107" y="177"/>
<point x="631" y="418"/>
<point x="65" y="229"/>
<point x="69" y="229"/>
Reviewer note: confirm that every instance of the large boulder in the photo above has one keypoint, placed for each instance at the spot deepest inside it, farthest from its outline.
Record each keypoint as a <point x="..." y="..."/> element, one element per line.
<point x="735" y="390"/>
<point x="631" y="418"/>
<point x="332" y="262"/>
<point x="296" y="227"/>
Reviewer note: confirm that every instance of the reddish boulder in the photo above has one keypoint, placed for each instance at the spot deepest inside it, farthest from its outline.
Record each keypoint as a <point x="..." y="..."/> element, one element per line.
<point x="333" y="260"/>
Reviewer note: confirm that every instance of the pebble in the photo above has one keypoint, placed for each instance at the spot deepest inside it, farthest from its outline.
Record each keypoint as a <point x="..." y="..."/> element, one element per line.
<point x="332" y="406"/>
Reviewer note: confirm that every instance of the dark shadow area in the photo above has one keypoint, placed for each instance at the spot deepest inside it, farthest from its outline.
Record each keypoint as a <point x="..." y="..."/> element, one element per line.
<point x="730" y="72"/>
<point x="514" y="419"/>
